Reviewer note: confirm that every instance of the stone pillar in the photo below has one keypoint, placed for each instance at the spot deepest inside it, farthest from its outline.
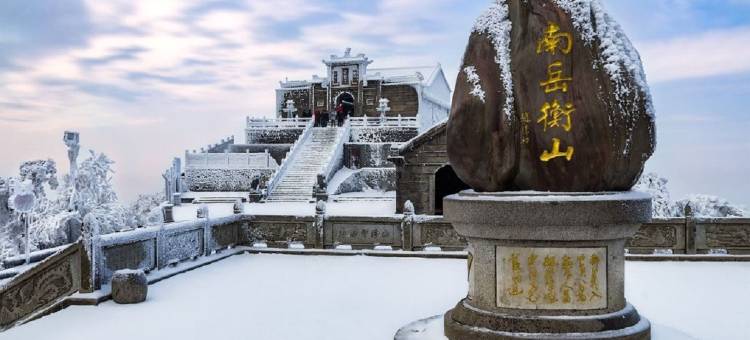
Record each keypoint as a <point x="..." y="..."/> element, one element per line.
<point x="320" y="220"/>
<point x="407" y="226"/>
<point x="546" y="266"/>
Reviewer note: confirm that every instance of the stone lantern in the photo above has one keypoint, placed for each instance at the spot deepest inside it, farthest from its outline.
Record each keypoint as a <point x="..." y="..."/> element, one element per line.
<point x="383" y="108"/>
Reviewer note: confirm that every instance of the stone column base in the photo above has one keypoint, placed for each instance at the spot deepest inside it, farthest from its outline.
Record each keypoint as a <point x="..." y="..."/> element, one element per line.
<point x="622" y="325"/>
<point x="437" y="327"/>
<point x="546" y="265"/>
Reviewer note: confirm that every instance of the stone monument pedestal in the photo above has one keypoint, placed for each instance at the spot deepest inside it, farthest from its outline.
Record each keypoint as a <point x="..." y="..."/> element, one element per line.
<point x="545" y="265"/>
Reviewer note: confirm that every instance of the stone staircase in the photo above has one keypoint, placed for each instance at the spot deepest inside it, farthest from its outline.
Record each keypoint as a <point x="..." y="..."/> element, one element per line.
<point x="299" y="180"/>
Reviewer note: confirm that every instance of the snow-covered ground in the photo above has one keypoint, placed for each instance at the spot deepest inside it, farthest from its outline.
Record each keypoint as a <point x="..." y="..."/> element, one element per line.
<point x="315" y="297"/>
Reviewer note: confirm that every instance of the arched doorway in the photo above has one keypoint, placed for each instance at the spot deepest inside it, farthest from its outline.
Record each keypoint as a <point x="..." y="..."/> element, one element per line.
<point x="347" y="100"/>
<point x="446" y="183"/>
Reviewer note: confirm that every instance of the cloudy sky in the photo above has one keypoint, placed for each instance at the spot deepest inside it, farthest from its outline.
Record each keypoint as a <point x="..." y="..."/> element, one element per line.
<point x="144" y="80"/>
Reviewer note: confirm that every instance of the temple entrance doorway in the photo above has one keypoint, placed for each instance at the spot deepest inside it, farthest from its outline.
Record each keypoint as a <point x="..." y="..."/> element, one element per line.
<point x="446" y="183"/>
<point x="347" y="101"/>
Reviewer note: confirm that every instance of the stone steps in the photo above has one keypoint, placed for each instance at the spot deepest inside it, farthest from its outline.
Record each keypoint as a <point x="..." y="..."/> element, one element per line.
<point x="299" y="180"/>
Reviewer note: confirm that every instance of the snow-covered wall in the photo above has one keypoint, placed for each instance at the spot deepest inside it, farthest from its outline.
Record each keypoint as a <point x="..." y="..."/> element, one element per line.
<point x="228" y="180"/>
<point x="367" y="155"/>
<point x="274" y="135"/>
<point x="383" y="134"/>
<point x="366" y="179"/>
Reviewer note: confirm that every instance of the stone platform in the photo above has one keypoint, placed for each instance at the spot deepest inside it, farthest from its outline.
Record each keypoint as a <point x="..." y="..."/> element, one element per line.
<point x="546" y="265"/>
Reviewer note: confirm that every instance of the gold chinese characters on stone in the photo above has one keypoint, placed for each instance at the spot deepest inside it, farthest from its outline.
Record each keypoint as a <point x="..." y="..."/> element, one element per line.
<point x="552" y="278"/>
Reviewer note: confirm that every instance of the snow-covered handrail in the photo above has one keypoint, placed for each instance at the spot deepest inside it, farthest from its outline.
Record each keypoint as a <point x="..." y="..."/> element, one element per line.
<point x="335" y="159"/>
<point x="289" y="159"/>
<point x="261" y="160"/>
<point x="277" y="123"/>
<point x="386" y="122"/>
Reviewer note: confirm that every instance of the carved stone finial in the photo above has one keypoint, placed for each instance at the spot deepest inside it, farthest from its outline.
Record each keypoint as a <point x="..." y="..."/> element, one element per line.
<point x="408" y="208"/>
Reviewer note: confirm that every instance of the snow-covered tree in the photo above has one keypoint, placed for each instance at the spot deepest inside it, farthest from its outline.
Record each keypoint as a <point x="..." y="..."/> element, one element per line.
<point x="39" y="172"/>
<point x="147" y="209"/>
<point x="710" y="206"/>
<point x="4" y="196"/>
<point x="701" y="205"/>
<point x="656" y="186"/>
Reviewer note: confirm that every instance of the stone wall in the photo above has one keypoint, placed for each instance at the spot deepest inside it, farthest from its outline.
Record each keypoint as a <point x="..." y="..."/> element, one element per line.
<point x="367" y="155"/>
<point x="301" y="100"/>
<point x="404" y="99"/>
<point x="382" y="134"/>
<point x="379" y="179"/>
<point x="226" y="180"/>
<point x="415" y="173"/>
<point x="274" y="136"/>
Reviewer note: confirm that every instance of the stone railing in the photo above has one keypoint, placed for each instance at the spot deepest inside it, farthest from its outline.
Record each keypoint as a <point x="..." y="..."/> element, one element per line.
<point x="276" y="123"/>
<point x="229" y="161"/>
<point x="44" y="285"/>
<point x="289" y="159"/>
<point x="408" y="232"/>
<point x="336" y="159"/>
<point x="693" y="235"/>
<point x="397" y="121"/>
<point x="157" y="247"/>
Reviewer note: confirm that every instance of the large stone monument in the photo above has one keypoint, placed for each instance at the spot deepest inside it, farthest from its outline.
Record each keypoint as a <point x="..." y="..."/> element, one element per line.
<point x="551" y="126"/>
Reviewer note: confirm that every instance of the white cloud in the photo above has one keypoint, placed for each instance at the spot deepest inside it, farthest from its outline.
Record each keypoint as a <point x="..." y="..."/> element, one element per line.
<point x="713" y="53"/>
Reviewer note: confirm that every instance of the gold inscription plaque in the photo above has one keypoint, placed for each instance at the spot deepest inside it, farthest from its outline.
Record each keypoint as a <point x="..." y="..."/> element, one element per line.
<point x="552" y="278"/>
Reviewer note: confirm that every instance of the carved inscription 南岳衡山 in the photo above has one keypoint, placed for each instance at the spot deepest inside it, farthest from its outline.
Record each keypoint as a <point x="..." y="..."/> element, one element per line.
<point x="552" y="278"/>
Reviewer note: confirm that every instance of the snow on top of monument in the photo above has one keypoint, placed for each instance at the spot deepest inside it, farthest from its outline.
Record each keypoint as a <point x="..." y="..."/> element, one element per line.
<point x="496" y="23"/>
<point x="473" y="78"/>
<point x="618" y="54"/>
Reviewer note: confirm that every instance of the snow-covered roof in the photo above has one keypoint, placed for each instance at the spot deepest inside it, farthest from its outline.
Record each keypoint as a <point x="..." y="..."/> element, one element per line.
<point x="423" y="137"/>
<point x="424" y="75"/>
<point x="347" y="58"/>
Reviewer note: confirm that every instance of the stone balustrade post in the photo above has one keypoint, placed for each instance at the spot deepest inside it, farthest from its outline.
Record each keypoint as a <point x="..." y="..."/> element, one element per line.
<point x="320" y="217"/>
<point x="407" y="226"/>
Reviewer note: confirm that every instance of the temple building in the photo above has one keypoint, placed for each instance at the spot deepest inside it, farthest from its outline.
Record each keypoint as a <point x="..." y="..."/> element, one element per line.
<point x="420" y="91"/>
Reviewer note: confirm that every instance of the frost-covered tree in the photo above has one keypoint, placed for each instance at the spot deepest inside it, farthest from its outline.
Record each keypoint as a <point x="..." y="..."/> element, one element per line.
<point x="656" y="186"/>
<point x="4" y="196"/>
<point x="710" y="206"/>
<point x="147" y="209"/>
<point x="39" y="172"/>
<point x="701" y="205"/>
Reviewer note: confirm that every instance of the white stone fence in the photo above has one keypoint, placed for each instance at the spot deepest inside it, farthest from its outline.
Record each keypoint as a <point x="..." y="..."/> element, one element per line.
<point x="397" y="121"/>
<point x="277" y="123"/>
<point x="229" y="161"/>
